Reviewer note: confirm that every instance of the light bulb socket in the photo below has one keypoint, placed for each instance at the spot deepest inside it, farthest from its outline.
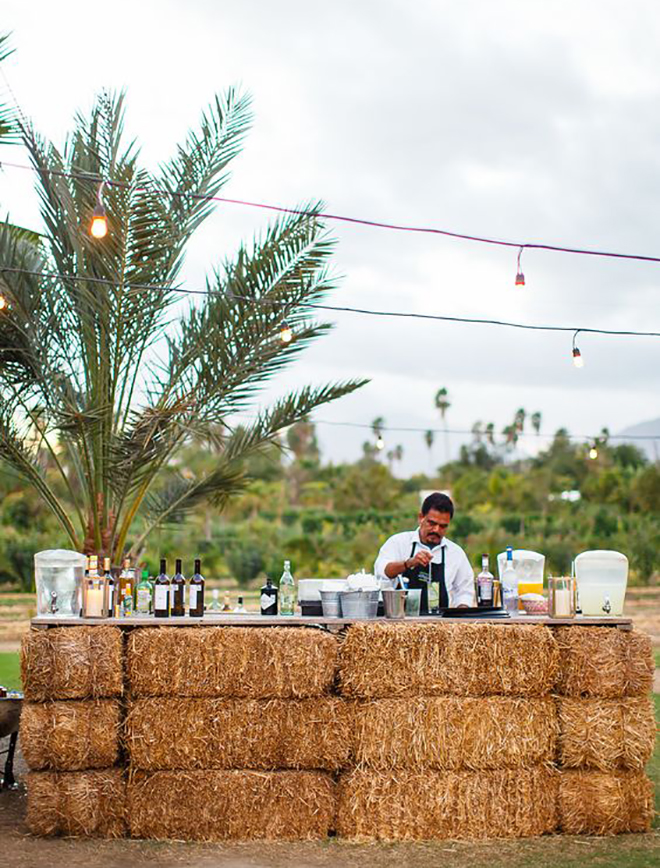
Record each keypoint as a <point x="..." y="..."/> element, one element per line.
<point x="286" y="333"/>
<point x="520" y="279"/>
<point x="578" y="361"/>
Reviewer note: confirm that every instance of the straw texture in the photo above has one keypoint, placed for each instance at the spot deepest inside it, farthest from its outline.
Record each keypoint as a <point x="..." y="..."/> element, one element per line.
<point x="239" y="734"/>
<point x="606" y="734"/>
<point x="596" y="803"/>
<point x="383" y="660"/>
<point x="72" y="663"/>
<point x="406" y="805"/>
<point x="70" y="736"/>
<point x="231" y="805"/>
<point x="87" y="804"/>
<point x="455" y="732"/>
<point x="604" y="662"/>
<point x="232" y="662"/>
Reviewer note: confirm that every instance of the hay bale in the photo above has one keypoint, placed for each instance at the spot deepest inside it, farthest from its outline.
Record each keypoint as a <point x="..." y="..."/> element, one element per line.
<point x="232" y="662"/>
<point x="603" y="661"/>
<point x="597" y="803"/>
<point x="231" y="805"/>
<point x="72" y="663"/>
<point x="239" y="734"/>
<point x="381" y="660"/>
<point x="70" y="736"/>
<point x="417" y="806"/>
<point x="606" y="734"/>
<point x="86" y="804"/>
<point x="452" y="732"/>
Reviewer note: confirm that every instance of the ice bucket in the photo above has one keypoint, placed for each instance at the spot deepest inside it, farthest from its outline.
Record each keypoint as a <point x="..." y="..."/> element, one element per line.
<point x="359" y="604"/>
<point x="58" y="575"/>
<point x="331" y="604"/>
<point x="394" y="603"/>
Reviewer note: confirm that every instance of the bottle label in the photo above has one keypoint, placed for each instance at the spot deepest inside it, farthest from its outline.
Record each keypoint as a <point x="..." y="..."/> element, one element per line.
<point x="161" y="593"/>
<point x="192" y="596"/>
<point x="143" y="601"/>
<point x="267" y="601"/>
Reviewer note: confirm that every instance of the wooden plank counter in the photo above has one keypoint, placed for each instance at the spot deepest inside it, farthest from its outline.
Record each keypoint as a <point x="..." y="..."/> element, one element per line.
<point x="253" y="620"/>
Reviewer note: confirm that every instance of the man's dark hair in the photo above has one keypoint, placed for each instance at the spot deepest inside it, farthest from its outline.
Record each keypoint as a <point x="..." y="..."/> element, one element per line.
<point x="439" y="502"/>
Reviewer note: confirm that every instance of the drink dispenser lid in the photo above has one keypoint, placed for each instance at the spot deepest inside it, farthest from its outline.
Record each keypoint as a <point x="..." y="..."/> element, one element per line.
<point x="58" y="558"/>
<point x="601" y="555"/>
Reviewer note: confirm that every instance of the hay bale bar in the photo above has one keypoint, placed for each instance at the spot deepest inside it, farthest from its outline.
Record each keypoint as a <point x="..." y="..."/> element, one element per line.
<point x="452" y="732"/>
<point x="72" y="663"/>
<point x="606" y="734"/>
<point x="231" y="805"/>
<point x="597" y="803"/>
<point x="232" y="662"/>
<point x="599" y="661"/>
<point x="239" y="734"/>
<point x="383" y="660"/>
<point x="405" y="805"/>
<point x="88" y="804"/>
<point x="72" y="735"/>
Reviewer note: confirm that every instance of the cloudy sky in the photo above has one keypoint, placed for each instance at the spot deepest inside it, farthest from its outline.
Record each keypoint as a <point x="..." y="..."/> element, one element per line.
<point x="527" y="121"/>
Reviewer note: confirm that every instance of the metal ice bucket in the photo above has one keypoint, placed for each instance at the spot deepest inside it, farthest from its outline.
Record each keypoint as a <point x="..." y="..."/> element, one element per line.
<point x="359" y="604"/>
<point x="395" y="603"/>
<point x="331" y="604"/>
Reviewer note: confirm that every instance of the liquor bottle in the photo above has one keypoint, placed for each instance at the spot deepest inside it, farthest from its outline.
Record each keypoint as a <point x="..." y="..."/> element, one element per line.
<point x="143" y="595"/>
<point x="126" y="587"/>
<point x="162" y="592"/>
<point x="196" y="592"/>
<point x="485" y="584"/>
<point x="214" y="605"/>
<point x="268" y="598"/>
<point x="287" y="591"/>
<point x="178" y="591"/>
<point x="510" y="584"/>
<point x="240" y="608"/>
<point x="110" y="589"/>
<point x="226" y="605"/>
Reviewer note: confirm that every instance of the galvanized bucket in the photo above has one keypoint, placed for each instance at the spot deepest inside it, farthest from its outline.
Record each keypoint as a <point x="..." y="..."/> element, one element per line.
<point x="395" y="603"/>
<point x="359" y="604"/>
<point x="331" y="604"/>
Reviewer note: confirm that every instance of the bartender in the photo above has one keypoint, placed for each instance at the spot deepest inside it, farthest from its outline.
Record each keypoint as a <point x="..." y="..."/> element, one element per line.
<point x="425" y="556"/>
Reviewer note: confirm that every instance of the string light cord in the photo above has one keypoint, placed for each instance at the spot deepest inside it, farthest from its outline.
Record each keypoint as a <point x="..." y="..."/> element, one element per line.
<point x="335" y="308"/>
<point x="377" y="224"/>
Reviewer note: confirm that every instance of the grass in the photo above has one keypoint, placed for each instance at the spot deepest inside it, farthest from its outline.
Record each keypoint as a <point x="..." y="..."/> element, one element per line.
<point x="10" y="674"/>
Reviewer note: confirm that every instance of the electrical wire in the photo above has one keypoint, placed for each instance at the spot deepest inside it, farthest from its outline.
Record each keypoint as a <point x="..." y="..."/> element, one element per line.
<point x="335" y="308"/>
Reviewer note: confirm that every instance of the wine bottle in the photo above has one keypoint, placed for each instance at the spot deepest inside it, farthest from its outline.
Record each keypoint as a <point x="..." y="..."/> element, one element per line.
<point x="196" y="592"/>
<point x="110" y="589"/>
<point x="162" y="592"/>
<point x="178" y="591"/>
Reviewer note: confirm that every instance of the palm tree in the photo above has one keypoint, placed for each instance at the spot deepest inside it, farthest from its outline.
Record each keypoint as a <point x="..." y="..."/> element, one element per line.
<point x="536" y="422"/>
<point x="490" y="433"/>
<point x="519" y="420"/>
<point x="429" y="437"/>
<point x="477" y="432"/>
<point x="442" y="404"/>
<point x="101" y="372"/>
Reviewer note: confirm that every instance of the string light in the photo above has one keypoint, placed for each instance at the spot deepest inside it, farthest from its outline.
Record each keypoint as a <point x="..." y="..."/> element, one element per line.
<point x="578" y="361"/>
<point x="380" y="443"/>
<point x="99" y="227"/>
<point x="593" y="453"/>
<point x="4" y="304"/>
<point x="286" y="333"/>
<point x="520" y="277"/>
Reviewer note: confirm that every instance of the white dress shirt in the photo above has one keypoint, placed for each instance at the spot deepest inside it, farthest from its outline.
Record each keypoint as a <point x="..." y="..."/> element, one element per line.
<point x="459" y="575"/>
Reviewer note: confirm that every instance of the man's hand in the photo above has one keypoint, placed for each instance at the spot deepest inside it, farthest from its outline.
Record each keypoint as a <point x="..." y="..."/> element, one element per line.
<point x="421" y="559"/>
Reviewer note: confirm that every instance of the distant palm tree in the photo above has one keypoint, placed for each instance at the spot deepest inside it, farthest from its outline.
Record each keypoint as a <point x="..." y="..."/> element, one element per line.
<point x="490" y="433"/>
<point x="442" y="404"/>
<point x="519" y="420"/>
<point x="102" y="372"/>
<point x="429" y="437"/>
<point x="477" y="431"/>
<point x="536" y="422"/>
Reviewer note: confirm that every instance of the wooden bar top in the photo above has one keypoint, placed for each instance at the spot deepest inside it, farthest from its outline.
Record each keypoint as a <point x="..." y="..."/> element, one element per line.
<point x="254" y="620"/>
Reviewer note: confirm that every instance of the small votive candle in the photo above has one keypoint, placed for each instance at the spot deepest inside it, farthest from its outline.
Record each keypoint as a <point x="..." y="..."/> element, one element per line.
<point x="94" y="599"/>
<point x="561" y="597"/>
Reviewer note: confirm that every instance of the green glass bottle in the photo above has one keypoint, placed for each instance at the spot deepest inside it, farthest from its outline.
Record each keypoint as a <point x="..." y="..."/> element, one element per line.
<point x="143" y="602"/>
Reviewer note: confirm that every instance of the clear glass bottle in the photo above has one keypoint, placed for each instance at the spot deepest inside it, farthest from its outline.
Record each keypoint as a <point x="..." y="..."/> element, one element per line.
<point x="110" y="589"/>
<point x="196" y="592"/>
<point x="226" y="604"/>
<point x="215" y="605"/>
<point x="143" y="602"/>
<point x="510" y="584"/>
<point x="287" y="591"/>
<point x="178" y="591"/>
<point x="126" y="585"/>
<point x="485" y="584"/>
<point x="162" y="592"/>
<point x="240" y="608"/>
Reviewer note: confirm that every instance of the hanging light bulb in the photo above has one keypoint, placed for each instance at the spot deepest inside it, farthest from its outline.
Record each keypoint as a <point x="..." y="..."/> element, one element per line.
<point x="578" y="361"/>
<point x="593" y="453"/>
<point x="99" y="227"/>
<point x="380" y="443"/>
<point x="520" y="277"/>
<point x="3" y="302"/>
<point x="286" y="333"/>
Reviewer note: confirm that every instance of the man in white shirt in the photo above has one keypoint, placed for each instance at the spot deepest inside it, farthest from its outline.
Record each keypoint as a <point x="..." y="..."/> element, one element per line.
<point x="425" y="555"/>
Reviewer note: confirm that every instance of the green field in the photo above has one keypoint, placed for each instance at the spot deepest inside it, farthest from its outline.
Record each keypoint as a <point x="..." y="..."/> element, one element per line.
<point x="10" y="674"/>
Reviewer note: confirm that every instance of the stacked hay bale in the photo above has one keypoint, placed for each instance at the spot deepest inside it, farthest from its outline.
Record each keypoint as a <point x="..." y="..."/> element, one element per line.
<point x="70" y="730"/>
<point x="240" y="720"/>
<point x="455" y="731"/>
<point x="606" y="730"/>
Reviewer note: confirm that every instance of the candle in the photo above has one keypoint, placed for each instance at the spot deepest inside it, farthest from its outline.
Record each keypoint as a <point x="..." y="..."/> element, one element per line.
<point x="561" y="592"/>
<point x="563" y="603"/>
<point x="94" y="602"/>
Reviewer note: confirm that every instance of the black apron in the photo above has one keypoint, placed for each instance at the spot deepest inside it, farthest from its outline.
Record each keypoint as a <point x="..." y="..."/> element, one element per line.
<point x="437" y="575"/>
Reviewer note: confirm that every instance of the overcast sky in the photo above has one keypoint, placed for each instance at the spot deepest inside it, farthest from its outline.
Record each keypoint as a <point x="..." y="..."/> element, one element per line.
<point x="527" y="121"/>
